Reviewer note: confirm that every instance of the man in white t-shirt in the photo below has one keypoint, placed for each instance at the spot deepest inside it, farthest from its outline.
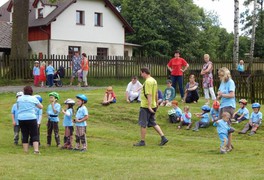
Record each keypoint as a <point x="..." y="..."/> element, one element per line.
<point x="133" y="90"/>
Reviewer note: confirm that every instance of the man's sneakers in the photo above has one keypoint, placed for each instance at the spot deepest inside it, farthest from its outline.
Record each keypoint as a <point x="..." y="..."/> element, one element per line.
<point x="164" y="140"/>
<point x="140" y="143"/>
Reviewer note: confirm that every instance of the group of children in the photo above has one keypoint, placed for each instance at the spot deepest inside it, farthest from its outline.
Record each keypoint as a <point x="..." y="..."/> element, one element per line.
<point x="42" y="74"/>
<point x="70" y="118"/>
<point x="222" y="123"/>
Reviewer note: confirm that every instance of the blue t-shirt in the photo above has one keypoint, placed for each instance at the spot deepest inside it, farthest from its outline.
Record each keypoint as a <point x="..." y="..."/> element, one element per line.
<point x="38" y="114"/>
<point x="222" y="127"/>
<point x="205" y="118"/>
<point x="240" y="68"/>
<point x="51" y="115"/>
<point x="243" y="111"/>
<point x="36" y="71"/>
<point x="226" y="88"/>
<point x="214" y="113"/>
<point x="14" y="112"/>
<point x="169" y="94"/>
<point x="187" y="119"/>
<point x="256" y="117"/>
<point x="26" y="107"/>
<point x="67" y="121"/>
<point x="50" y="70"/>
<point x="82" y="111"/>
<point x="178" y="111"/>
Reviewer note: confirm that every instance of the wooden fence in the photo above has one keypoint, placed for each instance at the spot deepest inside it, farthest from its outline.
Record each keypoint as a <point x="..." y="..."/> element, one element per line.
<point x="120" y="67"/>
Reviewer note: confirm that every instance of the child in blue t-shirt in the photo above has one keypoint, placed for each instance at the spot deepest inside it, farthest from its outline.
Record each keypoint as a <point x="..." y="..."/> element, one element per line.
<point x="240" y="66"/>
<point x="50" y="74"/>
<point x="80" y="122"/>
<point x="53" y="112"/>
<point x="204" y="122"/>
<point x="222" y="129"/>
<point x="15" y="120"/>
<point x="242" y="113"/>
<point x="214" y="113"/>
<point x="254" y="121"/>
<point x="169" y="94"/>
<point x="36" y="73"/>
<point x="68" y="124"/>
<point x="186" y="118"/>
<point x="175" y="113"/>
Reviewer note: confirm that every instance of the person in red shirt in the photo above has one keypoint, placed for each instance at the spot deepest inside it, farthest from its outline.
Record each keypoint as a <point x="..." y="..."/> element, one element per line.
<point x="177" y="66"/>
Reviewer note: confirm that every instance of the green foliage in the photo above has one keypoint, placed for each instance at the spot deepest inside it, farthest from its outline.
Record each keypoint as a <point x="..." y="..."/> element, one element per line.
<point x="111" y="132"/>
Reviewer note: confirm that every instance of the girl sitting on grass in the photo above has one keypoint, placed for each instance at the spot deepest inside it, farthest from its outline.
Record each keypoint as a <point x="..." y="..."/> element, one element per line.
<point x="109" y="96"/>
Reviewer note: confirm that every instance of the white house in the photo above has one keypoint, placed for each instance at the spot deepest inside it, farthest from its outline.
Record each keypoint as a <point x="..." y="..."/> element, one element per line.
<point x="92" y="26"/>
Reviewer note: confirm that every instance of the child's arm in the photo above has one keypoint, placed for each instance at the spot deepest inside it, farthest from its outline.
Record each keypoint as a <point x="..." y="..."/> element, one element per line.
<point x="242" y="115"/>
<point x="83" y="119"/>
<point x="235" y="114"/>
<point x="67" y="113"/>
<point x="198" y="115"/>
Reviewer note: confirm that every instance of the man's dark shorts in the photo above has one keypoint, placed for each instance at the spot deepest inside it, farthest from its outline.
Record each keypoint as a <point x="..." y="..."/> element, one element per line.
<point x="146" y="118"/>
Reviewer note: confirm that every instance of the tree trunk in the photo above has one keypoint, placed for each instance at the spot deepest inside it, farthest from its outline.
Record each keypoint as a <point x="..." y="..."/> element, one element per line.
<point x="252" y="45"/>
<point x="236" y="34"/>
<point x="19" y="44"/>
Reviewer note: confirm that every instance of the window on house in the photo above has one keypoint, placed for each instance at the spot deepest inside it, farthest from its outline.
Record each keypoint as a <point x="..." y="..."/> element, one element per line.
<point x="80" y="17"/>
<point x="40" y="13"/>
<point x="102" y="51"/>
<point x="73" y="49"/>
<point x="98" y="19"/>
<point x="126" y="53"/>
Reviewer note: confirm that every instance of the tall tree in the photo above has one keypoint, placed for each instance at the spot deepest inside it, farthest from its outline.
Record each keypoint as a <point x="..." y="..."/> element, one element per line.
<point x="236" y="34"/>
<point x="19" y="47"/>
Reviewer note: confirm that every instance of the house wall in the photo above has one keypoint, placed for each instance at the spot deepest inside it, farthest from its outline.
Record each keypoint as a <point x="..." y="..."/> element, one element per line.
<point x="46" y="11"/>
<point x="38" y="33"/>
<point x="39" y="47"/>
<point x="111" y="35"/>
<point x="129" y="49"/>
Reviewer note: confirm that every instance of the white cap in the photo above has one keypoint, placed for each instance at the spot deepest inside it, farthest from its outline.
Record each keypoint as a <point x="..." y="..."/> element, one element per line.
<point x="20" y="93"/>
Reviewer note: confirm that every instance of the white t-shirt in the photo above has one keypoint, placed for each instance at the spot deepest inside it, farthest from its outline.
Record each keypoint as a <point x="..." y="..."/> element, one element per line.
<point x="133" y="87"/>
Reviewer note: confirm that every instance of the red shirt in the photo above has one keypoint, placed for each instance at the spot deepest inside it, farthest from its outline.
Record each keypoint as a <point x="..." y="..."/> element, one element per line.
<point x="176" y="65"/>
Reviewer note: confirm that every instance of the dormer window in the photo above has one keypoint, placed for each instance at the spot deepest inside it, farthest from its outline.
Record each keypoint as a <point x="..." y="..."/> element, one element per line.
<point x="40" y="13"/>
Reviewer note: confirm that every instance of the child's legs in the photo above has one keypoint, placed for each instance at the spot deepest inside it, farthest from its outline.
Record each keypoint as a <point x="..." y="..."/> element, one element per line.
<point x="236" y="116"/>
<point x="211" y="90"/>
<point x="242" y="119"/>
<point x="36" y="80"/>
<point x="83" y="137"/>
<point x="56" y="132"/>
<point x="254" y="128"/>
<point x="224" y="140"/>
<point x="105" y="97"/>
<point x="77" y="136"/>
<point x="16" y="133"/>
<point x="246" y="128"/>
<point x="49" y="132"/>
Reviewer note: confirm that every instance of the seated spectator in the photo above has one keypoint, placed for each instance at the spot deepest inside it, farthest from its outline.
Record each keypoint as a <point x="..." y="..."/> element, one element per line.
<point x="175" y="113"/>
<point x="191" y="91"/>
<point x="133" y="90"/>
<point x="186" y="118"/>
<point x="242" y="113"/>
<point x="160" y="97"/>
<point x="169" y="94"/>
<point x="109" y="96"/>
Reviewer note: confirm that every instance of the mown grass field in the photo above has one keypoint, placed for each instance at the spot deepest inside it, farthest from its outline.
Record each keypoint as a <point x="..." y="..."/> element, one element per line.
<point x="111" y="132"/>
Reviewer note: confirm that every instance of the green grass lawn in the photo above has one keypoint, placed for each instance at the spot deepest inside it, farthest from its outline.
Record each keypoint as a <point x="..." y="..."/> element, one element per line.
<point x="111" y="132"/>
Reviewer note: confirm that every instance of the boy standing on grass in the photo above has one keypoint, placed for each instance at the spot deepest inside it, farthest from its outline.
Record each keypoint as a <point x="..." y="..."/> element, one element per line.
<point x="148" y="108"/>
<point x="15" y="120"/>
<point x="50" y="73"/>
<point x="222" y="129"/>
<point x="53" y="112"/>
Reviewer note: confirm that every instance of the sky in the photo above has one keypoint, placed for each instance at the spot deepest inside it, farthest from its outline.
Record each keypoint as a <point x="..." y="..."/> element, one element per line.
<point x="223" y="8"/>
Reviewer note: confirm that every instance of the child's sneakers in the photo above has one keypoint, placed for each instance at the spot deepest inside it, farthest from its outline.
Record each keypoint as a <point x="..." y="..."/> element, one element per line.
<point x="252" y="133"/>
<point x="223" y="150"/>
<point x="195" y="129"/>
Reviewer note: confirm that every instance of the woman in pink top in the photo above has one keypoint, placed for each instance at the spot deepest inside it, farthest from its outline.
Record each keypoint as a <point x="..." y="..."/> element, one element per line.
<point x="177" y="66"/>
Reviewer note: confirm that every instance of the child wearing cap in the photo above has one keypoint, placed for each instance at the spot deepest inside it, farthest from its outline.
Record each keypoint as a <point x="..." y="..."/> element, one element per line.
<point x="169" y="94"/>
<point x="254" y="121"/>
<point x="80" y="123"/>
<point x="36" y="73"/>
<point x="204" y="115"/>
<point x="175" y="113"/>
<point x="186" y="118"/>
<point x="53" y="112"/>
<point x="242" y="113"/>
<point x="68" y="124"/>
<point x="109" y="96"/>
<point x="15" y="120"/>
<point x="222" y="129"/>
<point x="214" y="113"/>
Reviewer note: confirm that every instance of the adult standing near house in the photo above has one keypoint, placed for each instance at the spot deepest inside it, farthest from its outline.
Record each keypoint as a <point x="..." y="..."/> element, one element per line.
<point x="85" y="68"/>
<point x="27" y="118"/>
<point x="177" y="66"/>
<point x="148" y="108"/>
<point x="76" y="65"/>
<point x="208" y="79"/>
<point x="226" y="93"/>
<point x="133" y="90"/>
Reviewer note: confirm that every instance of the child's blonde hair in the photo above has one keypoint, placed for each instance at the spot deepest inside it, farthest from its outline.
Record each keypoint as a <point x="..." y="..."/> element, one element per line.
<point x="43" y="63"/>
<point x="186" y="108"/>
<point x="226" y="116"/>
<point x="241" y="61"/>
<point x="109" y="88"/>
